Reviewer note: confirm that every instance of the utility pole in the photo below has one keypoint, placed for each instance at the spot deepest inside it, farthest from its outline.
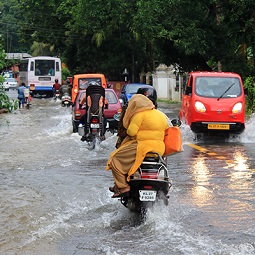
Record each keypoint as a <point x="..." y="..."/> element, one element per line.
<point x="7" y="43"/>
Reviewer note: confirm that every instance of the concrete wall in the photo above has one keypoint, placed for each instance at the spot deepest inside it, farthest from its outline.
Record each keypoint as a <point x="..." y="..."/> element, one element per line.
<point x="167" y="84"/>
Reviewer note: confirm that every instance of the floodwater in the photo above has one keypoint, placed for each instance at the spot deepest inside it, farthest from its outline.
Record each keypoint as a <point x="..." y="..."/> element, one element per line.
<point x="55" y="199"/>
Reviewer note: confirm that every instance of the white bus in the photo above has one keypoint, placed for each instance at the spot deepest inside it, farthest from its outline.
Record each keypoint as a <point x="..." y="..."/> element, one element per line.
<point x="39" y="73"/>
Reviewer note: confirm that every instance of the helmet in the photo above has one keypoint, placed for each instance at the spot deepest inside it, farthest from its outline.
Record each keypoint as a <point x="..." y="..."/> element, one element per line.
<point x="56" y="80"/>
<point x="150" y="92"/>
<point x="68" y="81"/>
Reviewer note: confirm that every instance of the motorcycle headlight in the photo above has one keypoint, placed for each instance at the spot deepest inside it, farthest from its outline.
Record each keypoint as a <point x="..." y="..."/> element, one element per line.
<point x="200" y="107"/>
<point x="237" y="108"/>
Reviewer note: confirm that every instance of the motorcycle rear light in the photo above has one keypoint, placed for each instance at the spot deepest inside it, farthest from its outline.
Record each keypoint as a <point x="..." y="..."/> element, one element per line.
<point x="77" y="114"/>
<point x="94" y="120"/>
<point x="149" y="174"/>
<point x="147" y="187"/>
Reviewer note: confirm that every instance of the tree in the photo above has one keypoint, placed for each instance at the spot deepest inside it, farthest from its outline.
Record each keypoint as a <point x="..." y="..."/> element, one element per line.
<point x="108" y="36"/>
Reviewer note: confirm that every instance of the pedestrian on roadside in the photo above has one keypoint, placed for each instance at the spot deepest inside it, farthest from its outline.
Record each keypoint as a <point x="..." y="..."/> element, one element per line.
<point x="21" y="96"/>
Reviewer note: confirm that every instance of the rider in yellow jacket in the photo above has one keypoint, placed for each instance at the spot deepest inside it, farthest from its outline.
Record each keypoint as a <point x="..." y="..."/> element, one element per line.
<point x="145" y="129"/>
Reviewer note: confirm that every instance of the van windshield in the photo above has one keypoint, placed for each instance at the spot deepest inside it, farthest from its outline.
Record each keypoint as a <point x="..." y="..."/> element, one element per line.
<point x="84" y="82"/>
<point x="218" y="87"/>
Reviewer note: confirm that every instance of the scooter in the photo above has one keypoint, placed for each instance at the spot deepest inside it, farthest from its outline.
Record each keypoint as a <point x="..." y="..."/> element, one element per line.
<point x="66" y="100"/>
<point x="149" y="184"/>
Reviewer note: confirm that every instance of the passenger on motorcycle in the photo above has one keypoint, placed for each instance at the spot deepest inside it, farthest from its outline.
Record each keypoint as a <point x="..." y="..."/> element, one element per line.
<point x="83" y="119"/>
<point x="145" y="128"/>
<point x="149" y="92"/>
<point x="56" y="86"/>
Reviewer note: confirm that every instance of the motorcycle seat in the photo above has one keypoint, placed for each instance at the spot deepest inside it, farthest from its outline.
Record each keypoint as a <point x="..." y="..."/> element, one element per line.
<point x="151" y="157"/>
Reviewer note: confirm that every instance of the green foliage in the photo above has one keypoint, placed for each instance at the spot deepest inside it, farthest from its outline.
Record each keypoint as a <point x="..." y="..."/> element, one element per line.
<point x="6" y="102"/>
<point x="65" y="73"/>
<point x="249" y="83"/>
<point x="110" y="35"/>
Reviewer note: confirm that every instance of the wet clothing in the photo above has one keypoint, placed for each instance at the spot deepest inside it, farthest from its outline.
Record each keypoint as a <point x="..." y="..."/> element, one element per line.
<point x="65" y="89"/>
<point x="56" y="86"/>
<point x="145" y="129"/>
<point x="21" y="96"/>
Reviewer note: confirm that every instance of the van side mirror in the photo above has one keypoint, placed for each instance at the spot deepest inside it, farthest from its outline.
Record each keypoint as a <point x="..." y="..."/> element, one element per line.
<point x="246" y="91"/>
<point x="188" y="90"/>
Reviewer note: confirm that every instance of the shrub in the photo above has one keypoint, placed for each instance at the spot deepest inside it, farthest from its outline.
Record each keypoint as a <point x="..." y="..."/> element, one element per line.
<point x="5" y="101"/>
<point x="250" y="99"/>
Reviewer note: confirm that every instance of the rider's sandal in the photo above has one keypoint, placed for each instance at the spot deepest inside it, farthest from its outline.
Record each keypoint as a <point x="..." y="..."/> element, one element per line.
<point x="114" y="189"/>
<point x="121" y="194"/>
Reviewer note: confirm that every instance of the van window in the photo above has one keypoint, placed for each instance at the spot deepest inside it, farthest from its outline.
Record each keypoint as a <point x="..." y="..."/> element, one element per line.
<point x="218" y="87"/>
<point x="188" y="89"/>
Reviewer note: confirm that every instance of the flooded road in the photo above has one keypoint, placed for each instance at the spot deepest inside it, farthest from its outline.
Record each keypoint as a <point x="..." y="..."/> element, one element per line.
<point x="55" y="199"/>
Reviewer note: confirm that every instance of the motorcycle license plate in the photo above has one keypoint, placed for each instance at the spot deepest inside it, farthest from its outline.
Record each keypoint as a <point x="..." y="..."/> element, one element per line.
<point x="94" y="125"/>
<point x="147" y="195"/>
<point x="65" y="102"/>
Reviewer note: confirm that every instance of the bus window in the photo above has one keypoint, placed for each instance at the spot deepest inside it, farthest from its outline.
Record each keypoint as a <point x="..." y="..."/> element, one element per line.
<point x="57" y="66"/>
<point x="32" y="66"/>
<point x="23" y="67"/>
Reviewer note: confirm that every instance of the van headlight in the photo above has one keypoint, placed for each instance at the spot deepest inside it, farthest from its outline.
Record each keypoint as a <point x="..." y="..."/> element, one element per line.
<point x="200" y="107"/>
<point x="237" y="108"/>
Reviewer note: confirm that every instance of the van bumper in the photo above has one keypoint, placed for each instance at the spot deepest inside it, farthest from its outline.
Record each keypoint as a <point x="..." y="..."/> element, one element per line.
<point x="202" y="127"/>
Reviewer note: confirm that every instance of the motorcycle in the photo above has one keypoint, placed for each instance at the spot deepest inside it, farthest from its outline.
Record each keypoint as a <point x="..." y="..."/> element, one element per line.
<point x="93" y="130"/>
<point x="150" y="183"/>
<point x="56" y="95"/>
<point x="66" y="100"/>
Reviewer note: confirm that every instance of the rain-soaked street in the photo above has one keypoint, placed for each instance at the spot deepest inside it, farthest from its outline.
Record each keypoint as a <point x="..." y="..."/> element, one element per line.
<point x="55" y="199"/>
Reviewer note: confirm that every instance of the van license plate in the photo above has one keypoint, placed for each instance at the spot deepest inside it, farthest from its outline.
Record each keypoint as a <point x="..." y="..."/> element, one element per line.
<point x="147" y="195"/>
<point x="218" y="126"/>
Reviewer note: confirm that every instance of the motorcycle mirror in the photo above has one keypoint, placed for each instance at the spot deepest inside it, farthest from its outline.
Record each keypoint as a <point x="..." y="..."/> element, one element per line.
<point x="116" y="116"/>
<point x="176" y="122"/>
<point x="121" y="101"/>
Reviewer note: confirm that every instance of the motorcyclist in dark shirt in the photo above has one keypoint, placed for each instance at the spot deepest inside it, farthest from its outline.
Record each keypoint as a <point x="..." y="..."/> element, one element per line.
<point x="65" y="88"/>
<point x="83" y="119"/>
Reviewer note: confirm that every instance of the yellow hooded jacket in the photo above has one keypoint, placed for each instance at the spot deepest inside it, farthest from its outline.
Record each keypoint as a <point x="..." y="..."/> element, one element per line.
<point x="147" y="127"/>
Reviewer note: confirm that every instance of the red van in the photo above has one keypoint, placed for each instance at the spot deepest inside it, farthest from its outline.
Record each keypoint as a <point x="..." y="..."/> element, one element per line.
<point x="214" y="102"/>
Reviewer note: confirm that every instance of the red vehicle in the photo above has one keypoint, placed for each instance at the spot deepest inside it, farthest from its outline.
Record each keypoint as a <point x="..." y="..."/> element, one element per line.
<point x="81" y="81"/>
<point x="114" y="106"/>
<point x="214" y="102"/>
